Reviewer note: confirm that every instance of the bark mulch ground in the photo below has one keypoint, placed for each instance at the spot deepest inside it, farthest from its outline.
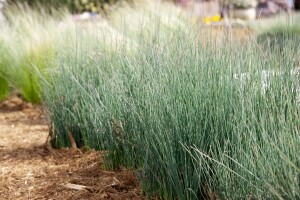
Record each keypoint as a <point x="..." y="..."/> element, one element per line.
<point x="29" y="169"/>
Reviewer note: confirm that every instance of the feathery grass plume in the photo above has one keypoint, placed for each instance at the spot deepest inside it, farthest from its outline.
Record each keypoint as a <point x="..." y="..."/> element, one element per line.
<point x="30" y="36"/>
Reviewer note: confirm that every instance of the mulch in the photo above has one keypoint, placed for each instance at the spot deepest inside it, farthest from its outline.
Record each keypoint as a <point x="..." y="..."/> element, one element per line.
<point x="30" y="169"/>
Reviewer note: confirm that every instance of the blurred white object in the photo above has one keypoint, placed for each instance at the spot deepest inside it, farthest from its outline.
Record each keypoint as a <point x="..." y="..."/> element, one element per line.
<point x="242" y="3"/>
<point x="266" y="78"/>
<point x="244" y="13"/>
<point x="83" y="16"/>
<point x="239" y="9"/>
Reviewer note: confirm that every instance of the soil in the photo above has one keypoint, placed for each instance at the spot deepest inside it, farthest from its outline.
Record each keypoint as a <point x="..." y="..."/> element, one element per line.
<point x="29" y="169"/>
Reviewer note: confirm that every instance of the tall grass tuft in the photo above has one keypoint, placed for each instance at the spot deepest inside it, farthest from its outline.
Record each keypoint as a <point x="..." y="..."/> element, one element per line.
<point x="29" y="37"/>
<point x="195" y="119"/>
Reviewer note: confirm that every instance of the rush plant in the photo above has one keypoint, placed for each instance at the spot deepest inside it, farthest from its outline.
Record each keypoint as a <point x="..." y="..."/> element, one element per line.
<point x="196" y="119"/>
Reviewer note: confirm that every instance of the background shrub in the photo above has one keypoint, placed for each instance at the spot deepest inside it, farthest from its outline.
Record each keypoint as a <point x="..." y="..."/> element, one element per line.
<point x="74" y="6"/>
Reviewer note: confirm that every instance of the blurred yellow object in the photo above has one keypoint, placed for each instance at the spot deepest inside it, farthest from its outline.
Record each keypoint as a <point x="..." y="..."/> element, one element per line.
<point x="207" y="20"/>
<point x="216" y="18"/>
<point x="210" y="19"/>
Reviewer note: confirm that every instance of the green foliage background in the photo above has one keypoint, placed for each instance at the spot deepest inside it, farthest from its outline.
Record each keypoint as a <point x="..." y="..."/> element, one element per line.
<point x="74" y="6"/>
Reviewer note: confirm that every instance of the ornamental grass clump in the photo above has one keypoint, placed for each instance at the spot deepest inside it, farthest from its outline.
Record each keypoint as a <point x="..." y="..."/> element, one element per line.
<point x="254" y="154"/>
<point x="29" y="38"/>
<point x="195" y="119"/>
